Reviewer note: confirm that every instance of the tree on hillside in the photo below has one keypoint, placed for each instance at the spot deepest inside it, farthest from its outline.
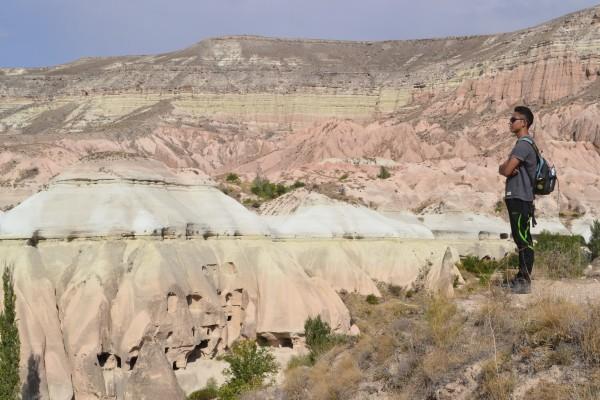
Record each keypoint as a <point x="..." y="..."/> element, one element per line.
<point x="233" y="178"/>
<point x="9" y="341"/>
<point x="383" y="173"/>
<point x="594" y="243"/>
<point x="249" y="366"/>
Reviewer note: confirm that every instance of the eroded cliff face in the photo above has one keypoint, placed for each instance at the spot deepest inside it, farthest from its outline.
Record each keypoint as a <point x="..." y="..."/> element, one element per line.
<point x="291" y="82"/>
<point x="286" y="107"/>
<point x="126" y="270"/>
<point x="101" y="318"/>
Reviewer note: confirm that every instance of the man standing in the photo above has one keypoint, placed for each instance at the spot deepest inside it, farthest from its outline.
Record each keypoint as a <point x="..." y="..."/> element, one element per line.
<point x="519" y="171"/>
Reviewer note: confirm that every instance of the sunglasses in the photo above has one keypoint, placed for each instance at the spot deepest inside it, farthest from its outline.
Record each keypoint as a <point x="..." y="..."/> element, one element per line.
<point x="513" y="119"/>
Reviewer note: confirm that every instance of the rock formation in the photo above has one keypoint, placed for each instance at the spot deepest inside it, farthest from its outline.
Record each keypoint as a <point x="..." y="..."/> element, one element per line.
<point x="433" y="111"/>
<point x="307" y="214"/>
<point x="130" y="197"/>
<point x="125" y="270"/>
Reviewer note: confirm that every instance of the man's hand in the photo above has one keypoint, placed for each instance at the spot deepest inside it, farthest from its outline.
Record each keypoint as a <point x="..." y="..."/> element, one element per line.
<point x="509" y="167"/>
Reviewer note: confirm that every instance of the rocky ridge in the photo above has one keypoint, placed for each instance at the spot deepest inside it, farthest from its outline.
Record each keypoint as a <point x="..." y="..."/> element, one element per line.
<point x="434" y="110"/>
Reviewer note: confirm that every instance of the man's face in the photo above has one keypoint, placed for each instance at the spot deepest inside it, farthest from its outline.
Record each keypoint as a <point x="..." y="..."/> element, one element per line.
<point x="517" y="122"/>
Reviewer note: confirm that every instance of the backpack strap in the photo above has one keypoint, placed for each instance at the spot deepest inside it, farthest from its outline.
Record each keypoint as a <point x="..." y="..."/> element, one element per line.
<point x="532" y="143"/>
<point x="539" y="164"/>
<point x="540" y="159"/>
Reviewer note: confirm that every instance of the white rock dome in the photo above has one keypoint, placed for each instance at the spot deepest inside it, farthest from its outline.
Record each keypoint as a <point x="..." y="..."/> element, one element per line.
<point x="307" y="214"/>
<point x="129" y="197"/>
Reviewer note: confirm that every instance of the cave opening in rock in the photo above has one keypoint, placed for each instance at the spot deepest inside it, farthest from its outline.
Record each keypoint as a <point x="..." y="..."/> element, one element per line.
<point x="171" y="302"/>
<point x="132" y="362"/>
<point x="104" y="357"/>
<point x="194" y="302"/>
<point x="210" y="329"/>
<point x="197" y="352"/>
<point x="275" y="341"/>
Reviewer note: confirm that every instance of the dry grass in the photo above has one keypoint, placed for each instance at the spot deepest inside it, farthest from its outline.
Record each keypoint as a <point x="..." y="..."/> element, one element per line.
<point x="554" y="264"/>
<point x="338" y="380"/>
<point x="590" y="336"/>
<point x="549" y="391"/>
<point x="437" y="362"/>
<point x="496" y="313"/>
<point x="437" y="348"/>
<point x="335" y="376"/>
<point x="299" y="361"/>
<point x="373" y="351"/>
<point x="375" y="318"/>
<point x="297" y="381"/>
<point x="564" y="354"/>
<point x="551" y="321"/>
<point x="413" y="347"/>
<point x="497" y="380"/>
<point x="442" y="322"/>
<point x="590" y="389"/>
<point x="587" y="389"/>
<point x="384" y="329"/>
<point x="550" y="332"/>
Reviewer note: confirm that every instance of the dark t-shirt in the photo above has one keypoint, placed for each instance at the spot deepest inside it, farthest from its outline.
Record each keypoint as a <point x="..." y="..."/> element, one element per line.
<point x="520" y="186"/>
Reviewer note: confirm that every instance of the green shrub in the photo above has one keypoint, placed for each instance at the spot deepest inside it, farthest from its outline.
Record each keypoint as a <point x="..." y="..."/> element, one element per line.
<point x="267" y="190"/>
<point x="343" y="177"/>
<point x="383" y="173"/>
<point x="317" y="333"/>
<point x="594" y="243"/>
<point x="484" y="268"/>
<point x="499" y="207"/>
<point x="233" y="178"/>
<point x="249" y="365"/>
<point x="372" y="299"/>
<point x="210" y="391"/>
<point x="547" y="241"/>
<point x="559" y="256"/>
<point x="251" y="203"/>
<point x="319" y="337"/>
<point x="9" y="340"/>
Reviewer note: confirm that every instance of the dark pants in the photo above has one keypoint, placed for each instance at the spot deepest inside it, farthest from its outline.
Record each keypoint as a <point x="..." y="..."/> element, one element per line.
<point x="520" y="213"/>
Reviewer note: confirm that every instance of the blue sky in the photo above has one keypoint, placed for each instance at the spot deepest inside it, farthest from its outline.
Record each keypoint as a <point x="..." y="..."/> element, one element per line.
<point x="49" y="32"/>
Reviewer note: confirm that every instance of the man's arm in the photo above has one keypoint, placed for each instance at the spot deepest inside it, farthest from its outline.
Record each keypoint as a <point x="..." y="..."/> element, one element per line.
<point x="509" y="167"/>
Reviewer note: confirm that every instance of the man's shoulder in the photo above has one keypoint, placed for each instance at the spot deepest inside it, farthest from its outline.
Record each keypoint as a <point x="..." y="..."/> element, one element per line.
<point x="523" y="149"/>
<point x="526" y="143"/>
